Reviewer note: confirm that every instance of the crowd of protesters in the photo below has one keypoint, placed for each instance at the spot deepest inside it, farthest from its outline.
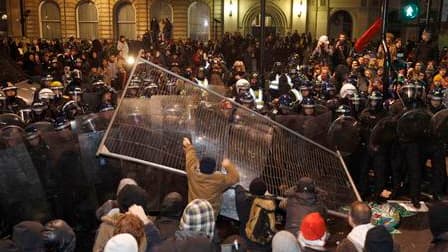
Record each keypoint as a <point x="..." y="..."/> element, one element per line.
<point x="190" y="224"/>
<point x="300" y="75"/>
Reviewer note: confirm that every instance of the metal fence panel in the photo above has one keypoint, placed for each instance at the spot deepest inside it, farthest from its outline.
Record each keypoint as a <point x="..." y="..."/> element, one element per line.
<point x="149" y="130"/>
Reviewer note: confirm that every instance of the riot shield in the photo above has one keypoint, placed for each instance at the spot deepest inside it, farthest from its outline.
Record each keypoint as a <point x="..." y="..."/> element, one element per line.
<point x="11" y="119"/>
<point x="42" y="126"/>
<point x="76" y="195"/>
<point x="103" y="173"/>
<point x="445" y="97"/>
<point x="383" y="133"/>
<point x="21" y="194"/>
<point x="439" y="126"/>
<point x="256" y="135"/>
<point x="414" y="125"/>
<point x="344" y="135"/>
<point x="313" y="127"/>
<point x="92" y="100"/>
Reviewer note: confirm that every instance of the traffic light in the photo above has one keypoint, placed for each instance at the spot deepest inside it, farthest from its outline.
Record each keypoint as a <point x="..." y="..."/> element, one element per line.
<point x="410" y="10"/>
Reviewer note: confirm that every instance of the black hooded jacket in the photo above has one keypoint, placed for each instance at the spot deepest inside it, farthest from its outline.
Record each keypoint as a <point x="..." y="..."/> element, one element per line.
<point x="298" y="205"/>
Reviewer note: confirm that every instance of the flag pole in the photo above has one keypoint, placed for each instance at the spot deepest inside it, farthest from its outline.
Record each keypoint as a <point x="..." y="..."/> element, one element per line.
<point x="387" y="58"/>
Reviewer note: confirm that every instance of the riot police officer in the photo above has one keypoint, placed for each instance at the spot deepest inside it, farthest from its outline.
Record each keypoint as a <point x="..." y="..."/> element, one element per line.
<point x="357" y="103"/>
<point x="2" y="103"/>
<point x="377" y="157"/>
<point x="133" y="90"/>
<point x="107" y="101"/>
<point x="40" y="112"/>
<point x="246" y="99"/>
<point x="342" y="110"/>
<point x="308" y="106"/>
<point x="12" y="103"/>
<point x="412" y="141"/>
<point x="329" y="97"/>
<point x="285" y="105"/>
<point x="435" y="100"/>
<point x="58" y="90"/>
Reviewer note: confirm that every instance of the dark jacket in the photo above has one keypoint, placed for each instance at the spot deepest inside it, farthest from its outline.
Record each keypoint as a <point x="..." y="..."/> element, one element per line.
<point x="347" y="246"/>
<point x="299" y="205"/>
<point x="167" y="226"/>
<point x="243" y="201"/>
<point x="440" y="243"/>
<point x="170" y="213"/>
<point x="185" y="241"/>
<point x="427" y="51"/>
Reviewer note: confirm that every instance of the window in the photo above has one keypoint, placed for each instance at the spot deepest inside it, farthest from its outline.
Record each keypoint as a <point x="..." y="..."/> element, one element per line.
<point x="199" y="21"/>
<point x="161" y="10"/>
<point x="50" y="19"/>
<point x="87" y="20"/>
<point x="125" y="21"/>
<point x="267" y="21"/>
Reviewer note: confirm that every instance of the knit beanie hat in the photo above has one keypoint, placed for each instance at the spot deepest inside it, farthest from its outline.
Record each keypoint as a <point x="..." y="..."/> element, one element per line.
<point x="198" y="216"/>
<point x="306" y="184"/>
<point x="172" y="205"/>
<point x="284" y="241"/>
<point x="27" y="236"/>
<point x="207" y="165"/>
<point x="124" y="182"/>
<point x="378" y="239"/>
<point x="313" y="227"/>
<point x="130" y="195"/>
<point x="438" y="218"/>
<point x="257" y="187"/>
<point x="121" y="243"/>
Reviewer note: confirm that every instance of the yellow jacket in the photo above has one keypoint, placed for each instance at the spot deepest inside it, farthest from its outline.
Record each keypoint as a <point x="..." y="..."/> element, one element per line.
<point x="207" y="186"/>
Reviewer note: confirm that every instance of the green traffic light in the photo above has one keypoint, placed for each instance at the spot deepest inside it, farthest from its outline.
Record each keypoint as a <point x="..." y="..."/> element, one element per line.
<point x="410" y="11"/>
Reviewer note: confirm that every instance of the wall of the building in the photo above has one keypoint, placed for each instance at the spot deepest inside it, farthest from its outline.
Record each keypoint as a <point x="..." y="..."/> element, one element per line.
<point x="106" y="17"/>
<point x="363" y="13"/>
<point x="314" y="16"/>
<point x="285" y="11"/>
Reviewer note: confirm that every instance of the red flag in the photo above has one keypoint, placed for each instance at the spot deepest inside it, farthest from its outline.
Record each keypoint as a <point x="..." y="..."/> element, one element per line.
<point x="368" y="35"/>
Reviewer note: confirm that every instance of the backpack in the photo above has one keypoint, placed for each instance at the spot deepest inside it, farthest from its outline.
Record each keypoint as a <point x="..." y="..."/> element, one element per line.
<point x="260" y="228"/>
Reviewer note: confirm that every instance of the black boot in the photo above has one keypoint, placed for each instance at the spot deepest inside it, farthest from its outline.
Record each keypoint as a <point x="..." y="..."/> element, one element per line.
<point x="436" y="197"/>
<point x="415" y="202"/>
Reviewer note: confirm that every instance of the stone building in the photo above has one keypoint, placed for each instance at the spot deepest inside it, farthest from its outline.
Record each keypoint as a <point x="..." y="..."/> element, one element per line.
<point x="200" y="19"/>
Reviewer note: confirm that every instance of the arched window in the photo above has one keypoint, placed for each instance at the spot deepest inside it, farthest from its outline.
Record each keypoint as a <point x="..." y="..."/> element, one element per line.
<point x="87" y="20"/>
<point x="161" y="10"/>
<point x="125" y="20"/>
<point x="50" y="20"/>
<point x="199" y="21"/>
<point x="340" y="22"/>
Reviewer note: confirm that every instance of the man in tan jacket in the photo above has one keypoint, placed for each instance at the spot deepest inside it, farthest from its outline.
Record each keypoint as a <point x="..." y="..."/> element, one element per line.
<point x="203" y="180"/>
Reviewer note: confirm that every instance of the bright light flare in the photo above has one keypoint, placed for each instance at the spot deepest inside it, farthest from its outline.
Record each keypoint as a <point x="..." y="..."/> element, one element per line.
<point x="130" y="60"/>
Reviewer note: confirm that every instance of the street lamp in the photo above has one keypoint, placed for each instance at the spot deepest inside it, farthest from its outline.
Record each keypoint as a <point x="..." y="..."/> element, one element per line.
<point x="231" y="8"/>
<point x="299" y="9"/>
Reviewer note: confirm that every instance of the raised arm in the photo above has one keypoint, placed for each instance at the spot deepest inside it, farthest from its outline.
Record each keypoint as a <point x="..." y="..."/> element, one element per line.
<point x="192" y="161"/>
<point x="233" y="176"/>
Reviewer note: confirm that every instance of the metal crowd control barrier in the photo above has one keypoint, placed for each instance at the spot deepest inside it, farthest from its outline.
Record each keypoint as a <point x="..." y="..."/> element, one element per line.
<point x="152" y="118"/>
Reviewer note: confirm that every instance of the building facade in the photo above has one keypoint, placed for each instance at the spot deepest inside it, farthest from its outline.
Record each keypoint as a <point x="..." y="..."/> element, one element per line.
<point x="201" y="19"/>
